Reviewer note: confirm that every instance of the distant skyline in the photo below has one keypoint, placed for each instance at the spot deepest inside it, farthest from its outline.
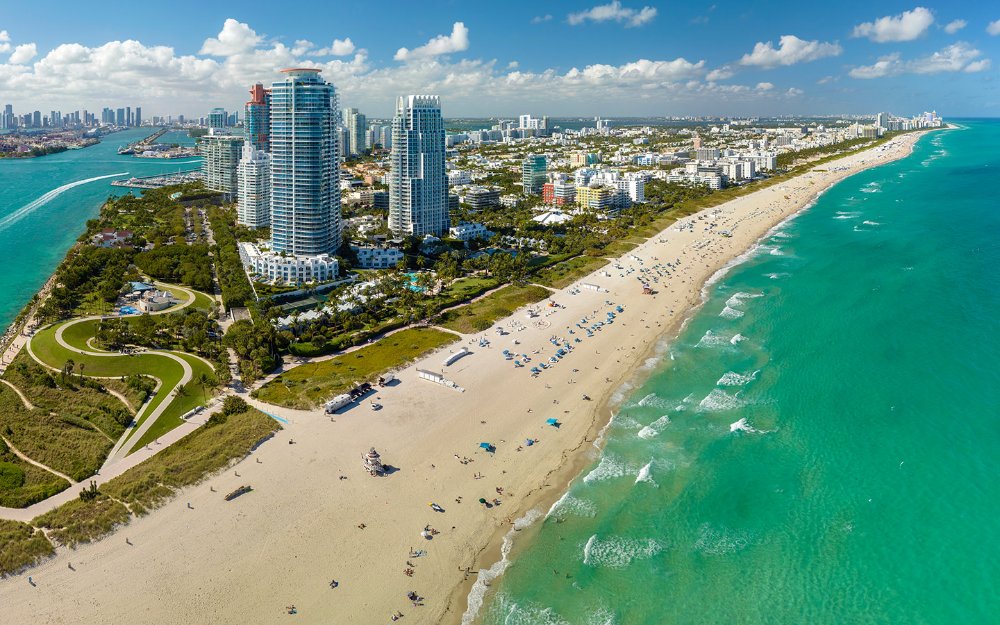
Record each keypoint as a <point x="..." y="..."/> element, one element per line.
<point x="580" y="58"/>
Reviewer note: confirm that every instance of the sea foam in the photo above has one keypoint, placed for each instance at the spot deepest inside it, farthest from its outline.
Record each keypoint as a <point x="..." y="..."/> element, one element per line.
<point x="618" y="552"/>
<point x="731" y="378"/>
<point x="719" y="400"/>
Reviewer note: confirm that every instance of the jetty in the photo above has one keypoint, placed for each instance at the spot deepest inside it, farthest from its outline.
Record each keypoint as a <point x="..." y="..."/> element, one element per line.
<point x="132" y="148"/>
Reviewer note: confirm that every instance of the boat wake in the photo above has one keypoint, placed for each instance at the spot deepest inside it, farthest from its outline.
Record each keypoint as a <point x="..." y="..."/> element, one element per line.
<point x="47" y="197"/>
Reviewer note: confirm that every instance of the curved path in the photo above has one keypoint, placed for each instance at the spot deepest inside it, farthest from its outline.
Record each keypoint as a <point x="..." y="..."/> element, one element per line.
<point x="20" y="393"/>
<point x="123" y="446"/>
<point x="17" y="453"/>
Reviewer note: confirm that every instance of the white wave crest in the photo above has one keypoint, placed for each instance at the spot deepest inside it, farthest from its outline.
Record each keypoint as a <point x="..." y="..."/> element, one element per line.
<point x="731" y="378"/>
<point x="737" y="339"/>
<point x="646" y="475"/>
<point x="568" y="505"/>
<point x="714" y="541"/>
<point x="478" y="592"/>
<point x="654" y="428"/>
<point x="609" y="468"/>
<point x="741" y="426"/>
<point x="731" y="313"/>
<point x="719" y="400"/>
<point x="618" y="552"/>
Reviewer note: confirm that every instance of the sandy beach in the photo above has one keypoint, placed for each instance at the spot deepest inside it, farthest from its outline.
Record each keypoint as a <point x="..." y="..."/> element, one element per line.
<point x="315" y="516"/>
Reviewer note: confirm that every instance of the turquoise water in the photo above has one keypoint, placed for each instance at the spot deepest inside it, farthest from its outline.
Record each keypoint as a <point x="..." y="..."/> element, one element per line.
<point x="860" y="345"/>
<point x="41" y="215"/>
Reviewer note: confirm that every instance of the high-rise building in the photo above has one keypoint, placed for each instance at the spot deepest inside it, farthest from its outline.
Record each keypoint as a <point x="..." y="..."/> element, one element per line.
<point x="138" y="116"/>
<point x="253" y="200"/>
<point x="220" y="155"/>
<point x="305" y="170"/>
<point x="882" y="120"/>
<point x="217" y="118"/>
<point x="356" y="125"/>
<point x="257" y="118"/>
<point x="7" y="121"/>
<point x="418" y="183"/>
<point x="533" y="173"/>
<point x="120" y="117"/>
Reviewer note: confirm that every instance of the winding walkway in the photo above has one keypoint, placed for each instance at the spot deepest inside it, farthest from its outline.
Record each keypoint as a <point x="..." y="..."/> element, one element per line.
<point x="130" y="438"/>
<point x="20" y="393"/>
<point x="20" y="455"/>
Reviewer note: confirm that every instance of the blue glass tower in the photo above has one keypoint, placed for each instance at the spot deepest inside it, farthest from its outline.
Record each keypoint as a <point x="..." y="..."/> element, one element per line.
<point x="305" y="170"/>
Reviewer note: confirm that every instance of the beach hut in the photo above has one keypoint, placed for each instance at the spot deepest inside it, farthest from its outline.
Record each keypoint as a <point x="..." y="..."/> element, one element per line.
<point x="373" y="463"/>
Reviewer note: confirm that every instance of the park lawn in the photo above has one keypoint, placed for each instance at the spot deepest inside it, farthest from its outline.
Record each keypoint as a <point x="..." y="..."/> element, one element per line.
<point x="480" y="314"/>
<point x="308" y="385"/>
<point x="196" y="395"/>
<point x="203" y="301"/>
<point x="617" y="248"/>
<point x="465" y="289"/>
<point x="21" y="546"/>
<point x="569" y="271"/>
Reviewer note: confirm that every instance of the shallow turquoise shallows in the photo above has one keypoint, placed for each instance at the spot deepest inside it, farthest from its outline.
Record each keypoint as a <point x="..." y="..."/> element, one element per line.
<point x="821" y="445"/>
<point x="45" y="204"/>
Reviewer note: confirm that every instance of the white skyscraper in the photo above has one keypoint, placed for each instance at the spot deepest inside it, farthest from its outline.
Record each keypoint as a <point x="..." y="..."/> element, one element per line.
<point x="253" y="200"/>
<point x="418" y="183"/>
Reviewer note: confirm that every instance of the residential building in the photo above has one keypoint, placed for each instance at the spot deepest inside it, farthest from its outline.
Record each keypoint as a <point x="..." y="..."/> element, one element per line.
<point x="478" y="198"/>
<point x="305" y="170"/>
<point x="257" y="118"/>
<point x="418" y="186"/>
<point x="253" y="201"/>
<point x="584" y="159"/>
<point x="356" y="126"/>
<point x="597" y="198"/>
<point x="270" y="266"/>
<point x="533" y="173"/>
<point x="467" y="231"/>
<point x="217" y="118"/>
<point x="377" y="256"/>
<point x="220" y="156"/>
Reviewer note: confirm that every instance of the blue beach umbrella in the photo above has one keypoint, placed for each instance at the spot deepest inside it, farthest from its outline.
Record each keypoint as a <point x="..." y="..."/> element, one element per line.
<point x="552" y="421"/>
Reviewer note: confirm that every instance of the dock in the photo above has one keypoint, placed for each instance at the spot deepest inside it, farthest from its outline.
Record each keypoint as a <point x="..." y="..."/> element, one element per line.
<point x="159" y="180"/>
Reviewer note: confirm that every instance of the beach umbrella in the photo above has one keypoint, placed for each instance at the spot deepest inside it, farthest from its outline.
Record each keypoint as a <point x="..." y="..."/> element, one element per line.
<point x="552" y="421"/>
<point x="485" y="446"/>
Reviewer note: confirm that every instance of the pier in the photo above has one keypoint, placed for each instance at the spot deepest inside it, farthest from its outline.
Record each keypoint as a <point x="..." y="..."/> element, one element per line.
<point x="138" y="145"/>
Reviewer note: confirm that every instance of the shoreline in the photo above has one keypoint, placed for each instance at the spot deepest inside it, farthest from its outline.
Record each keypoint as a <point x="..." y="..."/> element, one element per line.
<point x="501" y="550"/>
<point x="301" y="511"/>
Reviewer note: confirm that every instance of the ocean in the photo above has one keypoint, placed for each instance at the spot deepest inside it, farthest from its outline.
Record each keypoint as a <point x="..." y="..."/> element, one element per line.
<point x="821" y="443"/>
<point x="45" y="204"/>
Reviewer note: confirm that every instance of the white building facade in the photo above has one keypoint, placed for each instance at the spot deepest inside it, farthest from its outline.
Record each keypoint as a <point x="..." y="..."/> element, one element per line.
<point x="253" y="199"/>
<point x="418" y="184"/>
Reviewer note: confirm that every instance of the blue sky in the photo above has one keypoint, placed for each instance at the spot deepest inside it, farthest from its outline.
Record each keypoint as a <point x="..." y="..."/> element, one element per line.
<point x="584" y="57"/>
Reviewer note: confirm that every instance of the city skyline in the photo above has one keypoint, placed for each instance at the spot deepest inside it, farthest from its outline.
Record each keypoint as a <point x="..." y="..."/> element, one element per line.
<point x="570" y="58"/>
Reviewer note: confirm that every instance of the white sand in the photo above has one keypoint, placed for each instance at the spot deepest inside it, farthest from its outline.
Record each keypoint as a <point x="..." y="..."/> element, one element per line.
<point x="244" y="561"/>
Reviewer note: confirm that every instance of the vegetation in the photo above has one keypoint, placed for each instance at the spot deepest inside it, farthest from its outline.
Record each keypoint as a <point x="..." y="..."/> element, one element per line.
<point x="189" y="265"/>
<point x="236" y="289"/>
<point x="82" y="521"/>
<point x="208" y="449"/>
<point x="308" y="385"/>
<point x="482" y="313"/>
<point x="21" y="546"/>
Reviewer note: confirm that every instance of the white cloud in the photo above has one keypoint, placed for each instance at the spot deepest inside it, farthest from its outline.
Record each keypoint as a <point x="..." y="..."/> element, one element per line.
<point x="720" y="73"/>
<point x="824" y="80"/>
<point x="790" y="50"/>
<point x="958" y="57"/>
<point x="235" y="38"/>
<point x="457" y="41"/>
<point x="165" y="82"/>
<point x="538" y="19"/>
<point x="993" y="28"/>
<point x="4" y="41"/>
<point x="339" y="47"/>
<point x="614" y="11"/>
<point x="906" y="26"/>
<point x="954" y="26"/>
<point x="23" y="53"/>
<point x="764" y="86"/>
<point x="794" y="92"/>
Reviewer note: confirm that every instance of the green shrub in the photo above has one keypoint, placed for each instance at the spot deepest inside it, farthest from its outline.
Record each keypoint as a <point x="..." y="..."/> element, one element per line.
<point x="11" y="476"/>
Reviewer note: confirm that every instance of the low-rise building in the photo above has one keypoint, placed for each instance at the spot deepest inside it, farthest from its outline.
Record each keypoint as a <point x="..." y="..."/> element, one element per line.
<point x="268" y="266"/>
<point x="377" y="256"/>
<point x="467" y="231"/>
<point x="110" y="237"/>
<point x="482" y="197"/>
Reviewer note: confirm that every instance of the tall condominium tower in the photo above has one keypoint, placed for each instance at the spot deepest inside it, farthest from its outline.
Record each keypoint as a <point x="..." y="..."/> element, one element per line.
<point x="305" y="170"/>
<point x="257" y="118"/>
<point x="220" y="155"/>
<point x="217" y="118"/>
<point x="253" y="200"/>
<point x="533" y="174"/>
<point x="356" y="125"/>
<point x="418" y="184"/>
